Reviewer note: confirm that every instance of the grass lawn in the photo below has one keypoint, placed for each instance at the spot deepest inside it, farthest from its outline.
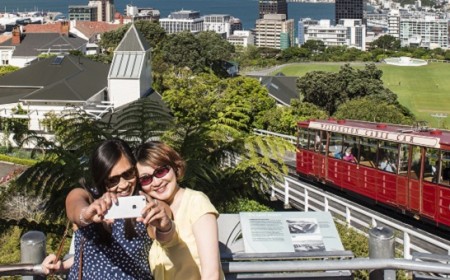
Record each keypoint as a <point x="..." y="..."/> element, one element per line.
<point x="424" y="90"/>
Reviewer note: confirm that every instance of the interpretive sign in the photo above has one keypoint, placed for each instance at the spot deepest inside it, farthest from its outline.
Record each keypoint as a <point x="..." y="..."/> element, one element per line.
<point x="279" y="232"/>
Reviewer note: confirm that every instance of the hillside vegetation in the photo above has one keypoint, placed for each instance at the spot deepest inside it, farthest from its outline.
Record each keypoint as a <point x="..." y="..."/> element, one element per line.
<point x="424" y="90"/>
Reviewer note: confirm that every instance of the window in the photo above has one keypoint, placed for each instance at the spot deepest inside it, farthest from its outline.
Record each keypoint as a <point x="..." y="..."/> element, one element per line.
<point x="368" y="152"/>
<point x="416" y="160"/>
<point x="403" y="160"/>
<point x="445" y="169"/>
<point x="388" y="159"/>
<point x="351" y="148"/>
<point x="335" y="146"/>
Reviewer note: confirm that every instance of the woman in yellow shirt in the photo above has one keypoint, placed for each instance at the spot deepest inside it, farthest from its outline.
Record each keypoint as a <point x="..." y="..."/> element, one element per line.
<point x="196" y="254"/>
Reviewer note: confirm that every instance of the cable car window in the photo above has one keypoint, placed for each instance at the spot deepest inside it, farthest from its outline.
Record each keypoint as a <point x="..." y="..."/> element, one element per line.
<point x="302" y="138"/>
<point x="320" y="141"/>
<point x="311" y="134"/>
<point x="335" y="146"/>
<point x="445" y="169"/>
<point x="415" y="163"/>
<point x="368" y="152"/>
<point x="404" y="159"/>
<point x="431" y="165"/>
<point x="350" y="148"/>
<point x="388" y="156"/>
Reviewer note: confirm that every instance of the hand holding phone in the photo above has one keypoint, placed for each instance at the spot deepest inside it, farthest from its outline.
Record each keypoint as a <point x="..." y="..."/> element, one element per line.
<point x="127" y="207"/>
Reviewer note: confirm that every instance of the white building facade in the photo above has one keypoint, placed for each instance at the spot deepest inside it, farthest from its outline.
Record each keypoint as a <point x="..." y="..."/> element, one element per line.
<point x="432" y="32"/>
<point x="217" y="23"/>
<point x="185" y="20"/>
<point x="242" y="38"/>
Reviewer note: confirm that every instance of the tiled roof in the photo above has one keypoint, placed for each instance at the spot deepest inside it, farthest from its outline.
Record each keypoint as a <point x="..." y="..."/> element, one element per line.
<point x="75" y="79"/>
<point x="91" y="28"/>
<point x="36" y="43"/>
<point x="5" y="37"/>
<point x="54" y="27"/>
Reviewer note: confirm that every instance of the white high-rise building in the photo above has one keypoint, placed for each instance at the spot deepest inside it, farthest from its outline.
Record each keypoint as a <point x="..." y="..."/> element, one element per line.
<point x="322" y="30"/>
<point x="429" y="32"/>
<point x="217" y="23"/>
<point x="105" y="9"/>
<point x="356" y="33"/>
<point x="242" y="38"/>
<point x="184" y="20"/>
<point x="394" y="23"/>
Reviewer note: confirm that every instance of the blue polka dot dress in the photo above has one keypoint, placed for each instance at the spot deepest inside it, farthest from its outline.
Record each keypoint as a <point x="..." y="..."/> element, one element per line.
<point x="122" y="259"/>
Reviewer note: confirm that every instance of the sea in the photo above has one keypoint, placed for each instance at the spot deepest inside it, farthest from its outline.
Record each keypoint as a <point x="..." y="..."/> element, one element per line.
<point x="245" y="10"/>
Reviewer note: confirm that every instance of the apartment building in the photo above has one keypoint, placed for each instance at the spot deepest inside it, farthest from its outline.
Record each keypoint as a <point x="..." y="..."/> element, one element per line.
<point x="184" y="20"/>
<point x="274" y="31"/>
<point x="220" y="24"/>
<point x="242" y="38"/>
<point x="273" y="7"/>
<point x="428" y="32"/>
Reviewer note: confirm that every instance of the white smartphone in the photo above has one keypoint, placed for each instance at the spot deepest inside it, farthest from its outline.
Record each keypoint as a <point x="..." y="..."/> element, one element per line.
<point x="127" y="207"/>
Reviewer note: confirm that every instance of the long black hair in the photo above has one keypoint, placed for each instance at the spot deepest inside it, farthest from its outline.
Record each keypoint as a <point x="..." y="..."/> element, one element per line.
<point x="103" y="159"/>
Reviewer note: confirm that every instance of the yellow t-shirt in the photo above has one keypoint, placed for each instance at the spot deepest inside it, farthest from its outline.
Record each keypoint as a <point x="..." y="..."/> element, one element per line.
<point x="180" y="260"/>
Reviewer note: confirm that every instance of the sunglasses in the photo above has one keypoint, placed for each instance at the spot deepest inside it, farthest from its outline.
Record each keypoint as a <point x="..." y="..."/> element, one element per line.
<point x="158" y="173"/>
<point x="128" y="175"/>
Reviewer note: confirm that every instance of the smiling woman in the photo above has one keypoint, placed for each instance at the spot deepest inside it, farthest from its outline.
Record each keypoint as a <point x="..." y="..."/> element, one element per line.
<point x="196" y="256"/>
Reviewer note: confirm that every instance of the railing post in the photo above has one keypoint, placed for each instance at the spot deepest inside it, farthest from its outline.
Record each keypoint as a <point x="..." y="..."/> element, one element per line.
<point x="32" y="250"/>
<point x="381" y="246"/>
<point x="406" y="246"/>
<point x="286" y="195"/>
<point x="306" y="200"/>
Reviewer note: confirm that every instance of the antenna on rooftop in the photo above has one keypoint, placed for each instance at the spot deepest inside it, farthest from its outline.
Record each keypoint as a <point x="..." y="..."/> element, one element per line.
<point x="439" y="117"/>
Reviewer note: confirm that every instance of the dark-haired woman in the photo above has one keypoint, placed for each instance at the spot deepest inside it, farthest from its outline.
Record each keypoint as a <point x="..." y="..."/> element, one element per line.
<point x="113" y="249"/>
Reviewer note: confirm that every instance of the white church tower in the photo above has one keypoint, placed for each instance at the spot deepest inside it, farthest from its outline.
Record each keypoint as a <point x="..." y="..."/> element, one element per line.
<point x="130" y="75"/>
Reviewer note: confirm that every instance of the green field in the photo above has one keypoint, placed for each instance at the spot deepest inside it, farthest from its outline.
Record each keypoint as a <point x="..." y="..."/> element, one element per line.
<point x="425" y="90"/>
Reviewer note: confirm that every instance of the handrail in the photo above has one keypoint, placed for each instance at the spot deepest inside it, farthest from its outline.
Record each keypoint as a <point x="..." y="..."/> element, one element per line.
<point x="20" y="269"/>
<point x="286" y="190"/>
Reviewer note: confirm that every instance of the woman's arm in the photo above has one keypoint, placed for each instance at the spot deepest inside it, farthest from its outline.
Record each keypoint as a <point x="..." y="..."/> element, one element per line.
<point x="206" y="237"/>
<point x="82" y="212"/>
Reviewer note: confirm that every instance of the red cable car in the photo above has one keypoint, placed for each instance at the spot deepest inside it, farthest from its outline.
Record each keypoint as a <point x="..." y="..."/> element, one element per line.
<point x="399" y="166"/>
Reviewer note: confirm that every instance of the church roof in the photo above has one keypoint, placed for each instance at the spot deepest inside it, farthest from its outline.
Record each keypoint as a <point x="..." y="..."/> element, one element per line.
<point x="130" y="56"/>
<point x="133" y="41"/>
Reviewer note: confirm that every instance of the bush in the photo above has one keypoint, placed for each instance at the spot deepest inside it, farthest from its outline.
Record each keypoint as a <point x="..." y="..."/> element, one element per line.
<point x="21" y="161"/>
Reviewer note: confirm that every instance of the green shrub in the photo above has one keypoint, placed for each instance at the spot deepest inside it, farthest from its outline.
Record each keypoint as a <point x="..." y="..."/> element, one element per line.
<point x="21" y="161"/>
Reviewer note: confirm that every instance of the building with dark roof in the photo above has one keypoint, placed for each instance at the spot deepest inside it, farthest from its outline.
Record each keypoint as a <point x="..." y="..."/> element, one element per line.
<point x="280" y="87"/>
<point x="60" y="82"/>
<point x="24" y="47"/>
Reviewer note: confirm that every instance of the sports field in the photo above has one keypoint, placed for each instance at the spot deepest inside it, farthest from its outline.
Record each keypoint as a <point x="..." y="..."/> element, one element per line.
<point x="425" y="90"/>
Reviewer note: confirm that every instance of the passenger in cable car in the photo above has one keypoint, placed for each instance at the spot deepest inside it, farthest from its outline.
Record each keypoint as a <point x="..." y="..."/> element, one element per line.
<point x="386" y="165"/>
<point x="348" y="156"/>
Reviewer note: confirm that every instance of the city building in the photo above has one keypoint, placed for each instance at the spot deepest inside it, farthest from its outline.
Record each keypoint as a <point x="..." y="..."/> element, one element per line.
<point x="242" y="38"/>
<point x="83" y="13"/>
<point x="330" y="35"/>
<point x="136" y="13"/>
<point x="349" y="32"/>
<point x="349" y="9"/>
<point x="428" y="32"/>
<point x="56" y="84"/>
<point x="393" y="19"/>
<point x="24" y="47"/>
<point x="273" y="7"/>
<point x="184" y="20"/>
<point x="218" y="23"/>
<point x="235" y="24"/>
<point x="274" y="31"/>
<point x="95" y="10"/>
<point x="356" y="33"/>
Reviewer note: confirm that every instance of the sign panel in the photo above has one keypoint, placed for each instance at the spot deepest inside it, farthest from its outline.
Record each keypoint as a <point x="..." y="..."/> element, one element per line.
<point x="284" y="232"/>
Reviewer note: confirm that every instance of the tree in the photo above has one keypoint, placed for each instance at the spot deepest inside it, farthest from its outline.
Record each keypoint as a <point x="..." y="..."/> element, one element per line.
<point x="177" y="47"/>
<point x="294" y="54"/>
<point x="314" y="46"/>
<point x="329" y="90"/>
<point x="386" y="42"/>
<point x="372" y="109"/>
<point x="214" y="48"/>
